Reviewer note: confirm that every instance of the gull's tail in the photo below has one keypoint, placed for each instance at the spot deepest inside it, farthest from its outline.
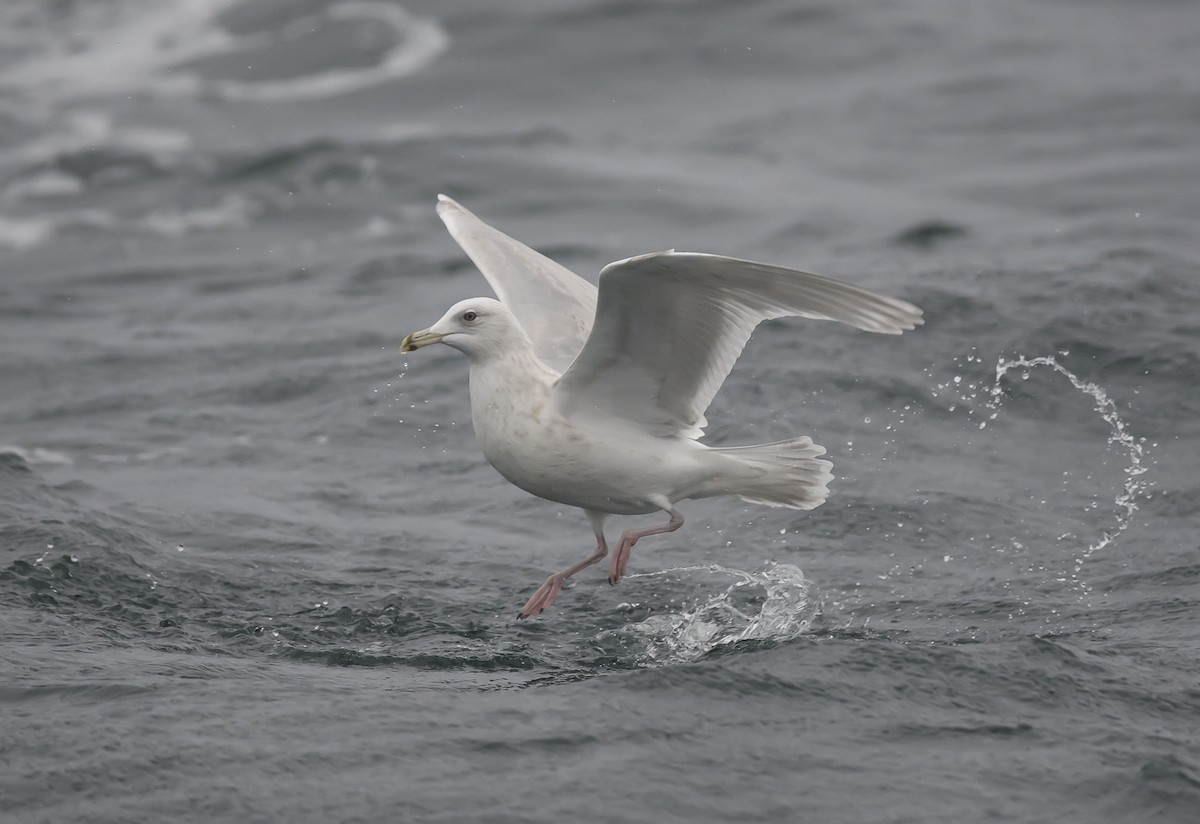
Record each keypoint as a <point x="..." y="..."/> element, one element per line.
<point x="784" y="473"/>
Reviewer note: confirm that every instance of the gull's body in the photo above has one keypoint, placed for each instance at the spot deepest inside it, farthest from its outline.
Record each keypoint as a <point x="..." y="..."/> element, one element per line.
<point x="615" y="432"/>
<point x="608" y="467"/>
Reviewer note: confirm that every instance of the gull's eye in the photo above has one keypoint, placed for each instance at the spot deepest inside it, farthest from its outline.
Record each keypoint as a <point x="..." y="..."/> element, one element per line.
<point x="470" y="316"/>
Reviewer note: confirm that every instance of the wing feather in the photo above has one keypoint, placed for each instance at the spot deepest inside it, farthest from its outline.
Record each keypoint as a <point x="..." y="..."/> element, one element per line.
<point x="669" y="327"/>
<point x="553" y="304"/>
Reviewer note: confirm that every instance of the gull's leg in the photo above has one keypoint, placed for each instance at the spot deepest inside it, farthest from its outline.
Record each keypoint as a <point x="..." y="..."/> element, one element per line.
<point x="548" y="591"/>
<point x="620" y="558"/>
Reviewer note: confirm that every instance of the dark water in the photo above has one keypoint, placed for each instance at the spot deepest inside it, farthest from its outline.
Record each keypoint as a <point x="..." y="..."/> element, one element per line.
<point x="253" y="568"/>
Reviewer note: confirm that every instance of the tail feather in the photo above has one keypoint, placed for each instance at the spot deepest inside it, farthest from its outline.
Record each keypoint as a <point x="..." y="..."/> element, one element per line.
<point x="785" y="473"/>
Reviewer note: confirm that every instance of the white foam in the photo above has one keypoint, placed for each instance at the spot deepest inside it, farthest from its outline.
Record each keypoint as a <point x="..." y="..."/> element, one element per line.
<point x="422" y="41"/>
<point x="122" y="48"/>
<point x="142" y="46"/>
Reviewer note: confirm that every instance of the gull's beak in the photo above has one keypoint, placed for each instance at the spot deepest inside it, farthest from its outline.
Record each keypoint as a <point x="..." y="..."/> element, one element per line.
<point x="418" y="339"/>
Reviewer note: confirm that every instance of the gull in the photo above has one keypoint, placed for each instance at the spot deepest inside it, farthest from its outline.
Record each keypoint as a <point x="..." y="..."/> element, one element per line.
<point x="595" y="397"/>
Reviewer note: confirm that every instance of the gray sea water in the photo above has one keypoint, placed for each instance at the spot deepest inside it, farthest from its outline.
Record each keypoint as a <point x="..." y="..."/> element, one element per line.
<point x="254" y="568"/>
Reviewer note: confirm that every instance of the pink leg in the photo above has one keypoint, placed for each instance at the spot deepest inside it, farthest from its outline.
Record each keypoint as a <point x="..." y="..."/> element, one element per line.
<point x="620" y="559"/>
<point x="548" y="591"/>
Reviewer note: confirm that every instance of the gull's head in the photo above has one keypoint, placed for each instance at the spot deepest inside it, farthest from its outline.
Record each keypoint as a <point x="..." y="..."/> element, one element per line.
<point x="480" y="328"/>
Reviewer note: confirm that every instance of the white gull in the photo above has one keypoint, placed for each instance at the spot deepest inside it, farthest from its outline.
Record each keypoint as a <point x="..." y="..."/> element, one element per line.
<point x="596" y="398"/>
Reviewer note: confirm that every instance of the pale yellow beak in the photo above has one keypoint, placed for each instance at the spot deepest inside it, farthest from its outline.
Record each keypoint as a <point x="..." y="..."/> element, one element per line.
<point x="418" y="339"/>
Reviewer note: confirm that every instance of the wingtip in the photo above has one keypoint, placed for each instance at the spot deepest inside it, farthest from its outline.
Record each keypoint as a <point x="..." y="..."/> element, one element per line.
<point x="916" y="316"/>
<point x="905" y="317"/>
<point x="900" y="328"/>
<point x="449" y="209"/>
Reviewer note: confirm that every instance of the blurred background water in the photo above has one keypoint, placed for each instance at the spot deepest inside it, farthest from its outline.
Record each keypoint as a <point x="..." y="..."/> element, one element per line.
<point x="253" y="567"/>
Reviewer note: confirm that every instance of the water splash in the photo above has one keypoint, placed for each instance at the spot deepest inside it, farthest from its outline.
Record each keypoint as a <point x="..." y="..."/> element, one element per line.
<point x="981" y="399"/>
<point x="1134" y="486"/>
<point x="785" y="612"/>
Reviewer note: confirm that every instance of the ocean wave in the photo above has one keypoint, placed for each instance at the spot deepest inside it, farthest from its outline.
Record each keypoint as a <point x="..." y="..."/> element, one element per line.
<point x="23" y="233"/>
<point x="233" y="211"/>
<point x="86" y="148"/>
<point x="35" y="456"/>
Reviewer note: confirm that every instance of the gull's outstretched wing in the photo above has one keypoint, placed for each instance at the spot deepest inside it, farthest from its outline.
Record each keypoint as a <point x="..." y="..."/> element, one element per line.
<point x="553" y="304"/>
<point x="670" y="325"/>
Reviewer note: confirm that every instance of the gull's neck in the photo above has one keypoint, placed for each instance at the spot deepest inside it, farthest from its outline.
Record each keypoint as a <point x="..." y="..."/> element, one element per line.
<point x="514" y="365"/>
<point x="510" y="392"/>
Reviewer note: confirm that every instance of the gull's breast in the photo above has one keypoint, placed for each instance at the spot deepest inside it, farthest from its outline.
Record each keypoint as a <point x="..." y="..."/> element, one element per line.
<point x="575" y="462"/>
